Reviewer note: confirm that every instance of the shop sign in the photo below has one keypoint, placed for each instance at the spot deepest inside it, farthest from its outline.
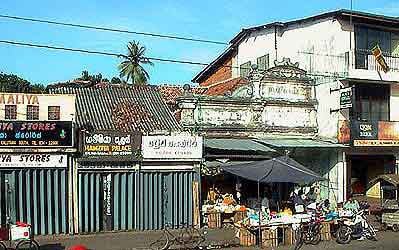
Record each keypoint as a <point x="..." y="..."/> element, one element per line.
<point x="36" y="134"/>
<point x="110" y="145"/>
<point x="375" y="134"/>
<point x="33" y="161"/>
<point x="345" y="99"/>
<point x="172" y="147"/>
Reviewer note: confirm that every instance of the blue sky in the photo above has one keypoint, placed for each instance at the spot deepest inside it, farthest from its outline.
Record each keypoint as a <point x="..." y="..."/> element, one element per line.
<point x="206" y="19"/>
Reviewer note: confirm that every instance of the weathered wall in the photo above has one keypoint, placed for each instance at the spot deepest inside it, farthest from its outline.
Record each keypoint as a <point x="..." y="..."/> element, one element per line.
<point x="66" y="103"/>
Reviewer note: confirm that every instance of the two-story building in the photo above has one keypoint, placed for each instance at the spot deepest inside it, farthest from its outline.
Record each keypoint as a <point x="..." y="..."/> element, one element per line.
<point x="356" y="98"/>
<point x="36" y="149"/>
<point x="272" y="113"/>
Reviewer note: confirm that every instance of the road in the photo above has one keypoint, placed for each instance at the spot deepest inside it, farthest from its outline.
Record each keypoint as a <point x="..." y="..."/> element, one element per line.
<point x="141" y="240"/>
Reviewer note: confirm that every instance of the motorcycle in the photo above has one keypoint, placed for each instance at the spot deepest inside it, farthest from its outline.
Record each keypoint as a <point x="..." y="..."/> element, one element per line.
<point x="355" y="228"/>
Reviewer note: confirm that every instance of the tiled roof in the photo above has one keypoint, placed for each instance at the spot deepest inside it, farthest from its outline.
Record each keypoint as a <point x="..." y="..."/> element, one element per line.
<point x="110" y="107"/>
<point x="171" y="93"/>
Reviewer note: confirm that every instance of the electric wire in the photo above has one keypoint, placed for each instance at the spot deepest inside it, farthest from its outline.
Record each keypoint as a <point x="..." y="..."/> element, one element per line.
<point x="75" y="25"/>
<point x="103" y="53"/>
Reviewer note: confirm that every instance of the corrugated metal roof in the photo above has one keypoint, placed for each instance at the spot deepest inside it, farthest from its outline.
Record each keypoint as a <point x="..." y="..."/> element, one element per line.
<point x="237" y="144"/>
<point x="299" y="143"/>
<point x="141" y="108"/>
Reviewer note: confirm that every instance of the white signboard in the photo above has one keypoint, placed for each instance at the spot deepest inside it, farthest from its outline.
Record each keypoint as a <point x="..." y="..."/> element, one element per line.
<point x="172" y="147"/>
<point x="285" y="91"/>
<point x="33" y="161"/>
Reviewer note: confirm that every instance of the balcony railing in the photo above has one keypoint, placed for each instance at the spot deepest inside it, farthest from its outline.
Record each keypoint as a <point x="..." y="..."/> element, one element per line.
<point x="365" y="60"/>
<point x="324" y="64"/>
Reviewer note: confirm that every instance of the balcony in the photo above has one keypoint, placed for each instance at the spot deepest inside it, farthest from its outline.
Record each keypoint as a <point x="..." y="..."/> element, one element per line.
<point x="359" y="64"/>
<point x="365" y="60"/>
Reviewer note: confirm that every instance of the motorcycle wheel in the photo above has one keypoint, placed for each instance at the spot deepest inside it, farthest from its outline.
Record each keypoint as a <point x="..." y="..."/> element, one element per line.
<point x="344" y="235"/>
<point x="316" y="238"/>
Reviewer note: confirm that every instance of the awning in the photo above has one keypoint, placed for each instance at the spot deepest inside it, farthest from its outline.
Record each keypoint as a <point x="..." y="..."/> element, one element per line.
<point x="299" y="143"/>
<point x="237" y="145"/>
<point x="390" y="178"/>
<point x="279" y="169"/>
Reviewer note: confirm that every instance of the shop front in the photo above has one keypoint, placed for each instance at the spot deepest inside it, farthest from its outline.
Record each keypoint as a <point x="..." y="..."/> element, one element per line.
<point x="107" y="173"/>
<point x="374" y="151"/>
<point x="35" y="157"/>
<point x="170" y="180"/>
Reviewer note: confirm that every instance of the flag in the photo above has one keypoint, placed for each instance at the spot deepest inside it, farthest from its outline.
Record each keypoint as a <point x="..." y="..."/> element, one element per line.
<point x="377" y="53"/>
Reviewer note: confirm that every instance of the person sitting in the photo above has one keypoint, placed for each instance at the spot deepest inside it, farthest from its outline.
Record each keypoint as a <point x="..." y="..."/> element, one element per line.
<point x="298" y="201"/>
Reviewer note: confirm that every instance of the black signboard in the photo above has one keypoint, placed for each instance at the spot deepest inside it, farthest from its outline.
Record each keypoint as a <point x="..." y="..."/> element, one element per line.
<point x="364" y="130"/>
<point x="110" y="146"/>
<point x="345" y="99"/>
<point x="36" y="134"/>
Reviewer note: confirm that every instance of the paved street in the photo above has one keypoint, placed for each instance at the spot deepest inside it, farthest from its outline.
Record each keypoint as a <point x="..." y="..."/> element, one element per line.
<point x="140" y="240"/>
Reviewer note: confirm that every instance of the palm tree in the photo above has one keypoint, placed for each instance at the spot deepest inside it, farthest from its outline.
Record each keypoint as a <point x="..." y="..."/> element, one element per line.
<point x="131" y="67"/>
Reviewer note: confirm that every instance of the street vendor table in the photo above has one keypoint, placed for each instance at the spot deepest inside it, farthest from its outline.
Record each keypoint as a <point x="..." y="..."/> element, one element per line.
<point x="218" y="219"/>
<point x="276" y="235"/>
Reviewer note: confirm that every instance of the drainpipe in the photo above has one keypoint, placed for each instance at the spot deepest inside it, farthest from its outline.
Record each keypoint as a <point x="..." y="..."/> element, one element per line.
<point x="275" y="41"/>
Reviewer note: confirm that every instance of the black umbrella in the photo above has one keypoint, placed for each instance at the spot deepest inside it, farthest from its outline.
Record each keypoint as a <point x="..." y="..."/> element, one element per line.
<point x="280" y="169"/>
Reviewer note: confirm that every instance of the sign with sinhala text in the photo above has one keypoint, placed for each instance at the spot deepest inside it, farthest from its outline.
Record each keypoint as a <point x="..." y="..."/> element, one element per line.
<point x="172" y="147"/>
<point x="110" y="145"/>
<point x="33" y="161"/>
<point x="345" y="99"/>
<point x="36" y="134"/>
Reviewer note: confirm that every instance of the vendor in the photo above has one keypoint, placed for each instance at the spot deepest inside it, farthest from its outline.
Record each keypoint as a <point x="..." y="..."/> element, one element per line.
<point x="265" y="204"/>
<point x="298" y="201"/>
<point x="351" y="204"/>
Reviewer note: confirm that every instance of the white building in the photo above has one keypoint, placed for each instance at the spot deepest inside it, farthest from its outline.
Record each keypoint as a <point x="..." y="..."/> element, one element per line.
<point x="335" y="50"/>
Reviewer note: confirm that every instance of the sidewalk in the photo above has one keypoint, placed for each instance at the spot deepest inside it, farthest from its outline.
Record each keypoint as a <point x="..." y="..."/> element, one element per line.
<point x="124" y="240"/>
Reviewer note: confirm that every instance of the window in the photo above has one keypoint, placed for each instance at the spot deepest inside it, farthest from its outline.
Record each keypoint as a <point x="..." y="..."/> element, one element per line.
<point x="11" y="112"/>
<point x="263" y="62"/>
<point x="245" y="68"/>
<point x="371" y="103"/>
<point x="32" y="112"/>
<point x="366" y="38"/>
<point x="53" y="112"/>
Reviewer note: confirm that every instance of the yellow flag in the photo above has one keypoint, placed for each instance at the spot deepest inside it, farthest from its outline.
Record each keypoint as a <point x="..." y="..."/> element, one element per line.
<point x="377" y="53"/>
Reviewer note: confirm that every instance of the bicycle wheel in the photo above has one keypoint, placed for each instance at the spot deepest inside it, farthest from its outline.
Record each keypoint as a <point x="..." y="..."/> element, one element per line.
<point x="162" y="243"/>
<point x="298" y="238"/>
<point x="2" y="246"/>
<point x="27" y="245"/>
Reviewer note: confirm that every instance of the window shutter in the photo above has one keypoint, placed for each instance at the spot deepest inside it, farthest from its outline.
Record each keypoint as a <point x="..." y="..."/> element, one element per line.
<point x="245" y="68"/>
<point x="263" y="62"/>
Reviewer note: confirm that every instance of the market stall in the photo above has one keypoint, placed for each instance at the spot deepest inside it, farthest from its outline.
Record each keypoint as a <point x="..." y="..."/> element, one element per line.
<point x="261" y="222"/>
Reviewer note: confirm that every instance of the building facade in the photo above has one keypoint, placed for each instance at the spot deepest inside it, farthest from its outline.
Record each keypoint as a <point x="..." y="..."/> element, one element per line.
<point x="37" y="144"/>
<point x="336" y="50"/>
<point x="128" y="173"/>
<point x="274" y="113"/>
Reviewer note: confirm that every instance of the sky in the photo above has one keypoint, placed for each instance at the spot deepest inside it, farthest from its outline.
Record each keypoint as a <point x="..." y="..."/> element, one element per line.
<point x="218" y="20"/>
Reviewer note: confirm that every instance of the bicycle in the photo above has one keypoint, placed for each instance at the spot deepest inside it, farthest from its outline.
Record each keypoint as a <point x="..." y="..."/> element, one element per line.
<point x="22" y="234"/>
<point x="185" y="237"/>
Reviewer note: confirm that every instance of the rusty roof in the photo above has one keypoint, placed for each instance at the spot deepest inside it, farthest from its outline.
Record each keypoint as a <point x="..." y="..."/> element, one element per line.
<point x="170" y="93"/>
<point x="121" y="107"/>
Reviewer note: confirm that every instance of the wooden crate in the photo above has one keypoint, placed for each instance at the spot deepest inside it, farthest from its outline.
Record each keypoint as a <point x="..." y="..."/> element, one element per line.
<point x="325" y="231"/>
<point x="239" y="216"/>
<point x="269" y="238"/>
<point x="288" y="236"/>
<point x="247" y="238"/>
<point x="214" y="220"/>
